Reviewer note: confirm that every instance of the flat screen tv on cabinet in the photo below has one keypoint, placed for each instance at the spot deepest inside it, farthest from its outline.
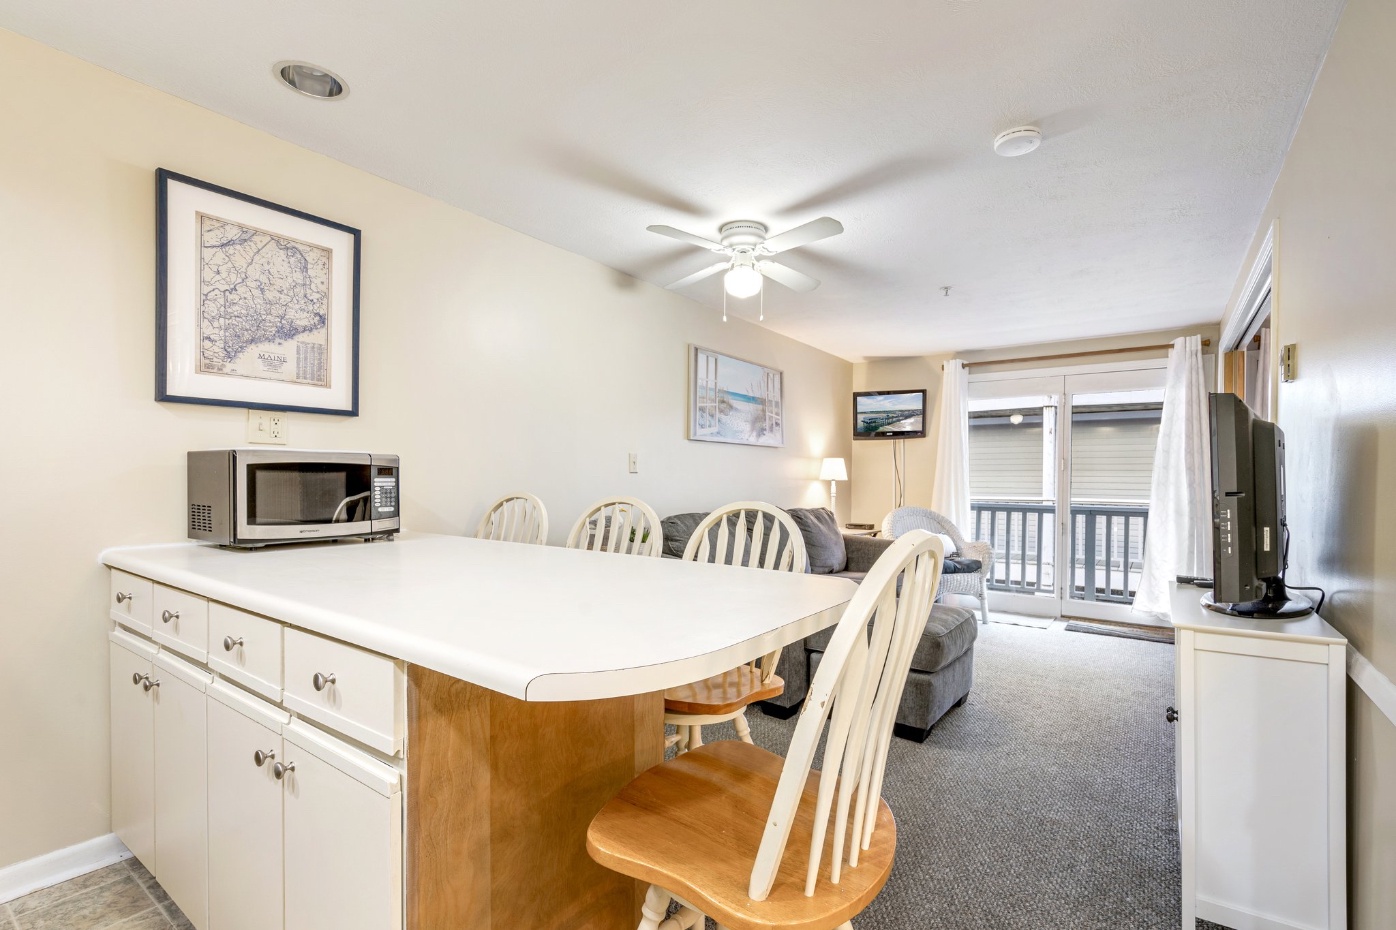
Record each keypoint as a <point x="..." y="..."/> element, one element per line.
<point x="889" y="414"/>
<point x="1249" y="532"/>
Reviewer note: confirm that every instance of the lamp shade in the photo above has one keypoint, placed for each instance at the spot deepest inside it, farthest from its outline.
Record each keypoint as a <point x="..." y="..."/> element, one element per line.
<point x="833" y="470"/>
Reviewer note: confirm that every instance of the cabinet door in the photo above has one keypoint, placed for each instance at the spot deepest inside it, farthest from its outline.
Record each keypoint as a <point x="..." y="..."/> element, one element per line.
<point x="1261" y="735"/>
<point x="181" y="785"/>
<point x="132" y="747"/>
<point x="244" y="822"/>
<point x="343" y="829"/>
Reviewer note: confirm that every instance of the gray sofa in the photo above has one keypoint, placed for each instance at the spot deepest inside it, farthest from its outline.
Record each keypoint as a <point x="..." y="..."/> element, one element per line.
<point x="942" y="669"/>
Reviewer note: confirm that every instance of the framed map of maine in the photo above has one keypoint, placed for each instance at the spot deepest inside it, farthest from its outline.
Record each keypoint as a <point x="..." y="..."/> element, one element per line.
<point x="257" y="305"/>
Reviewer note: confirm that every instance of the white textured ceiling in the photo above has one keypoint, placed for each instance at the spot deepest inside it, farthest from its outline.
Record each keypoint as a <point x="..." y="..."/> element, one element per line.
<point x="582" y="123"/>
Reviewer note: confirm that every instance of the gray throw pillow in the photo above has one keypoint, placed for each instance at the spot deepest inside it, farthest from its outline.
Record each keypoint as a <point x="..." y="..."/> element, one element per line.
<point x="823" y="541"/>
<point x="677" y="530"/>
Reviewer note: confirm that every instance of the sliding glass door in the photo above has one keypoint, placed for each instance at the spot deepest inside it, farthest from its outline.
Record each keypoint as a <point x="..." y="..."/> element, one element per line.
<point x="1060" y="468"/>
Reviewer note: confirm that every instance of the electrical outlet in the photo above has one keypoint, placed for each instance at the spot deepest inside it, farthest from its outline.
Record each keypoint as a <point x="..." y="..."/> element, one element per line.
<point x="634" y="463"/>
<point x="267" y="426"/>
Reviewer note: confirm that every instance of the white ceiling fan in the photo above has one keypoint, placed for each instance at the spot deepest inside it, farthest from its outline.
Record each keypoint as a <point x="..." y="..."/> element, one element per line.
<point x="746" y="246"/>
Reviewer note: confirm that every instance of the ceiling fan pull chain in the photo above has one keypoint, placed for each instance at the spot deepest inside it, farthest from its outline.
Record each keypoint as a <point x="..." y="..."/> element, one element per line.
<point x="724" y="305"/>
<point x="762" y="306"/>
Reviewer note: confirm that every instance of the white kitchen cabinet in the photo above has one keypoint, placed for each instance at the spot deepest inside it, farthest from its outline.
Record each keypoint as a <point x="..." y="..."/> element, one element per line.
<point x="356" y="692"/>
<point x="1261" y="715"/>
<point x="180" y="622"/>
<point x="245" y="648"/>
<point x="181" y="784"/>
<point x="343" y="835"/>
<point x="132" y="601"/>
<point x="245" y="864"/>
<point x="133" y="745"/>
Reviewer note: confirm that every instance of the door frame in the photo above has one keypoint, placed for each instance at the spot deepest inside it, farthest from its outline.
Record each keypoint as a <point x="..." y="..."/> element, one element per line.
<point x="1131" y="374"/>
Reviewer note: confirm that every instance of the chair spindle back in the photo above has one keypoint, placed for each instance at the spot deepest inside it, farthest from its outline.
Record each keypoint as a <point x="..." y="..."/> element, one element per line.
<point x="856" y="691"/>
<point x="515" y="518"/>
<point x="618" y="524"/>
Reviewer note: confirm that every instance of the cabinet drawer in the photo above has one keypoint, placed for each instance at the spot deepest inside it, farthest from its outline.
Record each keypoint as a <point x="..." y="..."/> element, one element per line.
<point x="180" y="621"/>
<point x="361" y="694"/>
<point x="130" y="602"/>
<point x="245" y="648"/>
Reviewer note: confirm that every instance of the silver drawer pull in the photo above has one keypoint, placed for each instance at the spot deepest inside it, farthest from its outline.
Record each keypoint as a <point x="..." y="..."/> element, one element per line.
<point x="148" y="683"/>
<point x="168" y="615"/>
<point x="122" y="597"/>
<point x="137" y="678"/>
<point x="260" y="757"/>
<point x="229" y="644"/>
<point x="279" y="770"/>
<point x="321" y="681"/>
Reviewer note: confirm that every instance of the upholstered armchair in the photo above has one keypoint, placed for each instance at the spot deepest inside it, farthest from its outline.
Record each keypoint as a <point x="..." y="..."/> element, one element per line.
<point x="904" y="519"/>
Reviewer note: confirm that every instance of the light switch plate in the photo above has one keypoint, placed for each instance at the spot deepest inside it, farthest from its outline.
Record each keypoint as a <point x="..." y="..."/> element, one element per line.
<point x="268" y="426"/>
<point x="1289" y="362"/>
<point x="634" y="463"/>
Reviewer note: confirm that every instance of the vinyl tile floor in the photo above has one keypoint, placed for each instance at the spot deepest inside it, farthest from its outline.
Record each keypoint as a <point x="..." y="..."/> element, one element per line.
<point x="123" y="896"/>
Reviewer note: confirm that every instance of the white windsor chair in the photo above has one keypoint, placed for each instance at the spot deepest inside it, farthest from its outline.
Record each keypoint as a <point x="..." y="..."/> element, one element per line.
<point x="745" y="533"/>
<point x="618" y="524"/>
<point x="680" y="825"/>
<point x="515" y="518"/>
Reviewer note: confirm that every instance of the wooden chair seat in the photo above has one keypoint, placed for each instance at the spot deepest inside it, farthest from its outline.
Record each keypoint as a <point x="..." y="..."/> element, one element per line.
<point x="693" y="825"/>
<point x="722" y="694"/>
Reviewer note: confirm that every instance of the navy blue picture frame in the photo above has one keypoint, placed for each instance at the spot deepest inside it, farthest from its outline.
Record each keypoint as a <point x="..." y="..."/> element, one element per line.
<point x="163" y="178"/>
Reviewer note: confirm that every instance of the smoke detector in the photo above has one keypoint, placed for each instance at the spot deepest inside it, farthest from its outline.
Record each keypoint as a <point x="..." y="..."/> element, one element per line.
<point x="1019" y="141"/>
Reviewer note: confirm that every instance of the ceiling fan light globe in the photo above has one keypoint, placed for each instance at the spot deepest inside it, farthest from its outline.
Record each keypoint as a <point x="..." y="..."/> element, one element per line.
<point x="742" y="281"/>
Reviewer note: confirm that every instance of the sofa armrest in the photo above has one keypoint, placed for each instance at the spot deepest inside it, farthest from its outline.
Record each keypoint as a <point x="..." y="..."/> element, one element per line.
<point x="863" y="551"/>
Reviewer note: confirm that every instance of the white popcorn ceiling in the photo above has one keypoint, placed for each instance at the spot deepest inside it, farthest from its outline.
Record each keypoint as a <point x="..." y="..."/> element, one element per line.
<point x="581" y="123"/>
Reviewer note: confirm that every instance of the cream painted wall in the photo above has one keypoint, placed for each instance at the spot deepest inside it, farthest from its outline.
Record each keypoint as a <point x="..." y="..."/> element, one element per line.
<point x="1335" y="297"/>
<point x="461" y="319"/>
<point x="871" y="468"/>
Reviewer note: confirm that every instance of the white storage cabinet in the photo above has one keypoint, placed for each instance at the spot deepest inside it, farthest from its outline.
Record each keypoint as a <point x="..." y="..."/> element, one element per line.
<point x="1260" y="714"/>
<point x="249" y="818"/>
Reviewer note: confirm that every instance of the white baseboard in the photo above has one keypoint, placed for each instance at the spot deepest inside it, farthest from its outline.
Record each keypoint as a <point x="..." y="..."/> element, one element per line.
<point x="1373" y="683"/>
<point x="1241" y="919"/>
<point x="59" y="866"/>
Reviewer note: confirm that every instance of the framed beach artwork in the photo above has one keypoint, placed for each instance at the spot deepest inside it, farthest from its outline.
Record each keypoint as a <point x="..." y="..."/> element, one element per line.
<point x="257" y="305"/>
<point x="733" y="400"/>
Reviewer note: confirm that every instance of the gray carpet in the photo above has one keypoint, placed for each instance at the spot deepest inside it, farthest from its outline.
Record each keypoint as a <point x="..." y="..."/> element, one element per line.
<point x="1045" y="803"/>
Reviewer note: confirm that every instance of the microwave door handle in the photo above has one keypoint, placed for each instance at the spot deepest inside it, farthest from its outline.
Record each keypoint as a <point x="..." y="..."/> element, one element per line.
<point x="343" y="505"/>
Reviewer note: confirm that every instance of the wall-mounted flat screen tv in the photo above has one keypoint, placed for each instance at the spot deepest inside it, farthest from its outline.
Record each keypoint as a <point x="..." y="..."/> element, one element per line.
<point x="889" y="414"/>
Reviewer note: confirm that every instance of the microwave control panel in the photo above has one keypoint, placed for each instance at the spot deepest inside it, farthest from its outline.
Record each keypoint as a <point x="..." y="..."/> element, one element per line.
<point x="384" y="493"/>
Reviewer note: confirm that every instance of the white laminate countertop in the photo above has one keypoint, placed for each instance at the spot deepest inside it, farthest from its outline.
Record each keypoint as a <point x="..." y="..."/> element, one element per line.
<point x="539" y="623"/>
<point x="1189" y="614"/>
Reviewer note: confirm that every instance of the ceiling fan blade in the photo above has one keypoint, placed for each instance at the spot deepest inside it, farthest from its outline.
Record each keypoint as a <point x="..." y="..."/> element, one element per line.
<point x="813" y="231"/>
<point x="699" y="275"/>
<point x="781" y="274"/>
<point x="682" y="236"/>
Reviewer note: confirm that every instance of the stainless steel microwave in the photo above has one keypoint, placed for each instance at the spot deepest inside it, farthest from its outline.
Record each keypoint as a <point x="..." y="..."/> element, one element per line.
<point x="260" y="497"/>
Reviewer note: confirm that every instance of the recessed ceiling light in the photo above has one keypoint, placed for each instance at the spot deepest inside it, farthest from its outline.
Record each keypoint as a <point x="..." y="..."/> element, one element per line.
<point x="311" y="80"/>
<point x="1018" y="141"/>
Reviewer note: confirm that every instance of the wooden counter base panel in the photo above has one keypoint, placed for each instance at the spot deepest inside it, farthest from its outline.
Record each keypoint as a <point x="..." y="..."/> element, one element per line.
<point x="500" y="794"/>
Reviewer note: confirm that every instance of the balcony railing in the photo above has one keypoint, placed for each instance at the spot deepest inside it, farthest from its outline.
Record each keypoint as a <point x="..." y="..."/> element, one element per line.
<point x="1106" y="545"/>
<point x="1023" y="541"/>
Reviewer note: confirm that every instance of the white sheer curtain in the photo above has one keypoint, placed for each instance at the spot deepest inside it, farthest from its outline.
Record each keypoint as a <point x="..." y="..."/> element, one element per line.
<point x="1180" y="500"/>
<point x="950" y="485"/>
